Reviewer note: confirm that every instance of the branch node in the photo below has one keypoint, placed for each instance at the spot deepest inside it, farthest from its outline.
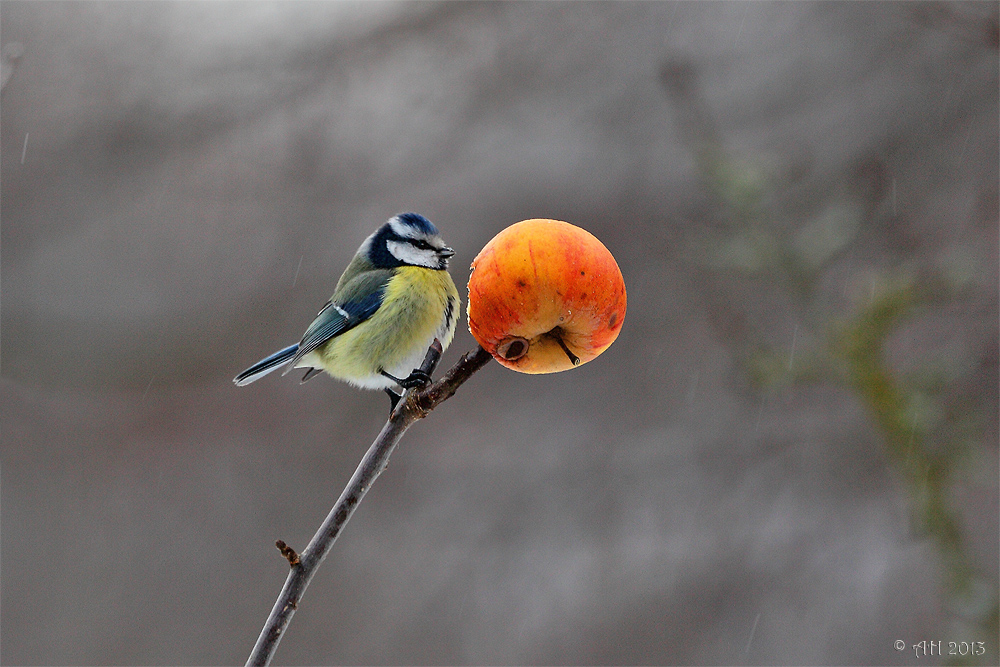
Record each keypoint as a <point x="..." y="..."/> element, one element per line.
<point x="432" y="357"/>
<point x="288" y="553"/>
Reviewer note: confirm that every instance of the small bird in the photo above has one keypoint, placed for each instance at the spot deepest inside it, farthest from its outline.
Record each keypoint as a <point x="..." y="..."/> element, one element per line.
<point x="395" y="297"/>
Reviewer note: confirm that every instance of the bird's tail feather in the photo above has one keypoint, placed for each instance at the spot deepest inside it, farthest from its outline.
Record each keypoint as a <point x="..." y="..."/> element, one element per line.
<point x="266" y="365"/>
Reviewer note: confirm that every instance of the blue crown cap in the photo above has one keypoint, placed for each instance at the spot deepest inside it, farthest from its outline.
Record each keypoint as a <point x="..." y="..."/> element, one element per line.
<point x="419" y="222"/>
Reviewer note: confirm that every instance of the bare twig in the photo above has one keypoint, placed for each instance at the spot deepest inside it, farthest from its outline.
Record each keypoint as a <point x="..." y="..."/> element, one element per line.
<point x="416" y="405"/>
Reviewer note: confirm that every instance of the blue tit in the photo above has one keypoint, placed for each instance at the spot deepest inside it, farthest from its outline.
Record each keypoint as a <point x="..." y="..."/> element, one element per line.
<point x="393" y="300"/>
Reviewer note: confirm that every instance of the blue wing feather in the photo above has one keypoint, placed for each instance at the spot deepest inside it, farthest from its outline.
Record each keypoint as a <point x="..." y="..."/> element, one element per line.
<point x="359" y="300"/>
<point x="354" y="303"/>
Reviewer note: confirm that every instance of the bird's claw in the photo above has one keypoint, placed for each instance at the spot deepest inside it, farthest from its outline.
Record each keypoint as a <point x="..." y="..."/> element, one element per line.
<point x="417" y="378"/>
<point x="393" y="399"/>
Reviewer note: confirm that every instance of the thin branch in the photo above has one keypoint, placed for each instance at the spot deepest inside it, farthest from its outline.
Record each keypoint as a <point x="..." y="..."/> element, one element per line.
<point x="416" y="405"/>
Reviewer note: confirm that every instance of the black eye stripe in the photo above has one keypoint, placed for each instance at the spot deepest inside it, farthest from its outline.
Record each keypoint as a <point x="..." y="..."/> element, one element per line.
<point x="381" y="256"/>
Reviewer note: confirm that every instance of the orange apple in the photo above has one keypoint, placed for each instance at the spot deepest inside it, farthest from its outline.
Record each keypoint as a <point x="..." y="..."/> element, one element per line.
<point x="545" y="296"/>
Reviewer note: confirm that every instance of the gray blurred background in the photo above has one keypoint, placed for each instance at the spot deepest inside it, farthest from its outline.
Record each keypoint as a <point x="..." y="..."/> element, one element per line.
<point x="788" y="457"/>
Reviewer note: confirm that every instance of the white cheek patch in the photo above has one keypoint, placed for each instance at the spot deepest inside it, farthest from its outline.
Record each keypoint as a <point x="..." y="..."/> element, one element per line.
<point x="408" y="254"/>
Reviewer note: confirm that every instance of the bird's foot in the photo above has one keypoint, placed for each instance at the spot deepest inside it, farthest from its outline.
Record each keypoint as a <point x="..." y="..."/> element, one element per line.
<point x="416" y="378"/>
<point x="393" y="399"/>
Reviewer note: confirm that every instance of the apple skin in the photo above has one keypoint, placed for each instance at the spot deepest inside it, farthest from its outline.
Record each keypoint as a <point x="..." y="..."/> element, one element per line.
<point x="545" y="296"/>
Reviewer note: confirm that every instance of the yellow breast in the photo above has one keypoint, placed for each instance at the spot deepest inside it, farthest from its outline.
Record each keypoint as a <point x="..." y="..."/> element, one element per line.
<point x="418" y="306"/>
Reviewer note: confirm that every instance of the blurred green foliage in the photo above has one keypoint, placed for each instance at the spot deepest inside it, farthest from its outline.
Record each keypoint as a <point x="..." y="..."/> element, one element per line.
<point x="931" y="447"/>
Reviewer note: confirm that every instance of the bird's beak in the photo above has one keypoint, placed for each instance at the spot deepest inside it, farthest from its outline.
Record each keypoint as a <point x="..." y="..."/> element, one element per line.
<point x="446" y="252"/>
